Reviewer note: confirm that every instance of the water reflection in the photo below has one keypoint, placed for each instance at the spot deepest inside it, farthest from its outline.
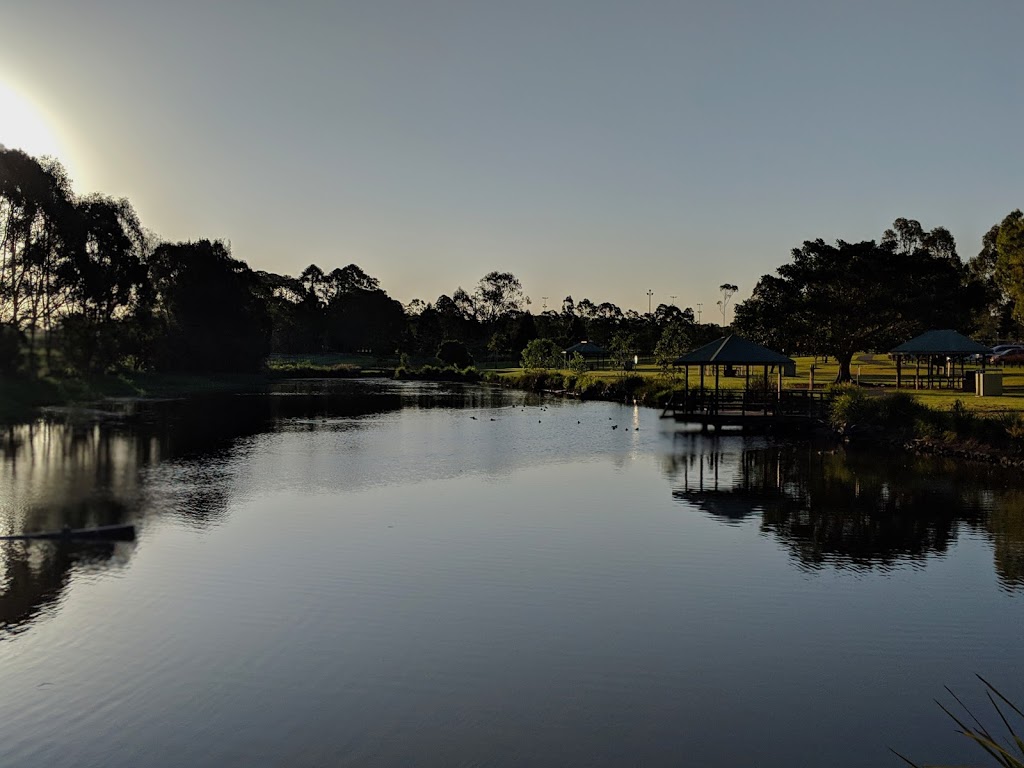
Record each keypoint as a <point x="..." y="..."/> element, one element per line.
<point x="852" y="509"/>
<point x="90" y="468"/>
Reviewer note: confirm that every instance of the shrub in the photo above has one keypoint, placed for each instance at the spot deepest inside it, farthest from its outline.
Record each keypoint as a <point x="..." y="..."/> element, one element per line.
<point x="577" y="363"/>
<point x="541" y="354"/>
<point x="455" y="354"/>
<point x="11" y="341"/>
<point x="852" y="405"/>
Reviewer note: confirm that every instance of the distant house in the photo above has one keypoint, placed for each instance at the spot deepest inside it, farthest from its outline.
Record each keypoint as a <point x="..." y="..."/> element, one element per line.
<point x="594" y="354"/>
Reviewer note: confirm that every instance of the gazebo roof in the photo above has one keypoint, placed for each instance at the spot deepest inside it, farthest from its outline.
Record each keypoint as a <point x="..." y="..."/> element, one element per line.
<point x="947" y="342"/>
<point x="733" y="350"/>
<point x="586" y="349"/>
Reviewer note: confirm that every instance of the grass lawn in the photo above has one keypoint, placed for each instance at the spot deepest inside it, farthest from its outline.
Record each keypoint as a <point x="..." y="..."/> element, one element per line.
<point x="876" y="370"/>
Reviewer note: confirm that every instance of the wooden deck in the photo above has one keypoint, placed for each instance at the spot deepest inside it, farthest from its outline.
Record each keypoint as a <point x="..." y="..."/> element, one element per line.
<point x="753" y="412"/>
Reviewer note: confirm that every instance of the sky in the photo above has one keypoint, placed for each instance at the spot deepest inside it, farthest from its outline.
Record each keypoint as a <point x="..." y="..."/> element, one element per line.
<point x="594" y="149"/>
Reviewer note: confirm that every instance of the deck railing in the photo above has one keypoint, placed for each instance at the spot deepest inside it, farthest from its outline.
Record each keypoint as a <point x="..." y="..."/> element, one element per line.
<point x="791" y="402"/>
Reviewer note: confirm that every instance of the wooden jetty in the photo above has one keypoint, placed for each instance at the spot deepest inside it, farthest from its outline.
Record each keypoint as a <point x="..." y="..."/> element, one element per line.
<point x="749" y="411"/>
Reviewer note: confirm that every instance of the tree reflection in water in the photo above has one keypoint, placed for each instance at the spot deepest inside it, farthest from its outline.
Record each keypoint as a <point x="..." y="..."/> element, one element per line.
<point x="85" y="469"/>
<point x="853" y="509"/>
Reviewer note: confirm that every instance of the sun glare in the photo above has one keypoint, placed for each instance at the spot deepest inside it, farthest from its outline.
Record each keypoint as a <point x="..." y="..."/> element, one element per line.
<point x="22" y="125"/>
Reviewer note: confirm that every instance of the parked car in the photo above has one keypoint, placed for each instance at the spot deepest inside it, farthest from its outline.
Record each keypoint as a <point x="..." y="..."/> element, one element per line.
<point x="999" y="349"/>
<point x="1009" y="357"/>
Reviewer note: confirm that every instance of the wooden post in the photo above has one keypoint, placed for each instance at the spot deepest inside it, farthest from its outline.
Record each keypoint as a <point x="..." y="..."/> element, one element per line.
<point x="899" y="370"/>
<point x="686" y="388"/>
<point x="766" y="390"/>
<point x="917" y="372"/>
<point x="717" y="396"/>
<point x="746" y="389"/>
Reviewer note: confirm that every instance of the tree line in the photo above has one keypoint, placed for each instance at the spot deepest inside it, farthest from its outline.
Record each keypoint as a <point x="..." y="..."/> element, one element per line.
<point x="870" y="296"/>
<point x="85" y="288"/>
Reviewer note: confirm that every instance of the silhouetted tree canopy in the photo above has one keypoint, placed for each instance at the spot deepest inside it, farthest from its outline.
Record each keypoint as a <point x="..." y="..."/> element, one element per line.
<point x="1009" y="270"/>
<point x="209" y="313"/>
<point x="454" y="353"/>
<point x="81" y="275"/>
<point x="851" y="297"/>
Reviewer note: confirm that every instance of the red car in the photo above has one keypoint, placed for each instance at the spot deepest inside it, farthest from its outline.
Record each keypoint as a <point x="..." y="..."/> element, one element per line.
<point x="1009" y="357"/>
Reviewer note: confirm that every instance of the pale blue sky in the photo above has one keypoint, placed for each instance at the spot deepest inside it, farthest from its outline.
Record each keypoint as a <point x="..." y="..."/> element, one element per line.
<point x="593" y="148"/>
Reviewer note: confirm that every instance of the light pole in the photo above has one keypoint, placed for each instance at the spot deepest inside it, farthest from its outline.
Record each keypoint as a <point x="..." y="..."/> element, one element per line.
<point x="700" y="307"/>
<point x="673" y="299"/>
<point x="544" y="306"/>
<point x="649" y="294"/>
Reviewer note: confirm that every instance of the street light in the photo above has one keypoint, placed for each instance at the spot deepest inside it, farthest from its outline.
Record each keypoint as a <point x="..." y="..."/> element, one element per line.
<point x="649" y="294"/>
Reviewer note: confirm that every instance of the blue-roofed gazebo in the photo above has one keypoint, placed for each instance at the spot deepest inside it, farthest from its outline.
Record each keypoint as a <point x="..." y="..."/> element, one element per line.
<point x="732" y="352"/>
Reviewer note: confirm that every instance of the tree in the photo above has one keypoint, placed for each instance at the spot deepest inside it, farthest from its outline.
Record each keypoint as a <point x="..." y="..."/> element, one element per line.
<point x="37" y="230"/>
<point x="1010" y="260"/>
<point x="499" y="295"/>
<point x="209" y="315"/>
<point x="346" y="280"/>
<point x="497" y="345"/>
<point x="11" y="340"/>
<point x="996" y="316"/>
<point x="578" y="364"/>
<point x="464" y="304"/>
<point x="107" y="272"/>
<point x="728" y="291"/>
<point x="361" y="320"/>
<point x="454" y="353"/>
<point x="540" y="354"/>
<point x="841" y="299"/>
<point x="676" y="339"/>
<point x="621" y="349"/>
<point x="312" y="279"/>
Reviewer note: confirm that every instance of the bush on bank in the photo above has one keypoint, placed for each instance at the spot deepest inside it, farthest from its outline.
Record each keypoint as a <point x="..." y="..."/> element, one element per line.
<point x="437" y="373"/>
<point x="899" y="417"/>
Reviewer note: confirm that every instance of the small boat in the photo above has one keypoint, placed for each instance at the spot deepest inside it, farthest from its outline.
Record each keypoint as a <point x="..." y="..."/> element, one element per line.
<point x="102" y="533"/>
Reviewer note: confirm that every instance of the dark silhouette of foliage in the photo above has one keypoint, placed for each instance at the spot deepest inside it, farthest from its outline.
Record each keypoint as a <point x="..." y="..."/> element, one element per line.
<point x="499" y="295"/>
<point x="209" y="311"/>
<point x="362" y="320"/>
<point x="454" y="353"/>
<point x="838" y="300"/>
<point x="11" y="341"/>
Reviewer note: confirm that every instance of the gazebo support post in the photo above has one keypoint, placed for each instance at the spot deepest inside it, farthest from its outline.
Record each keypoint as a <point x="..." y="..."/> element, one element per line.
<point x="686" y="388"/>
<point x="746" y="390"/>
<point x="717" y="395"/>
<point x="899" y="370"/>
<point x="766" y="390"/>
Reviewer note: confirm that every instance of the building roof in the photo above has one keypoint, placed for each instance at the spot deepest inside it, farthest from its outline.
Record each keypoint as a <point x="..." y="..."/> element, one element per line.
<point x="946" y="342"/>
<point x="586" y="349"/>
<point x="733" y="350"/>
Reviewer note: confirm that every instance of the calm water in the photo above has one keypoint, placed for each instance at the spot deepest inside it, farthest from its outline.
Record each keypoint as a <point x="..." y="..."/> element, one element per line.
<point x="376" y="573"/>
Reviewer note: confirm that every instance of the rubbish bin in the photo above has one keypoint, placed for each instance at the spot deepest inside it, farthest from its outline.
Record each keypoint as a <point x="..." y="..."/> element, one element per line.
<point x="989" y="383"/>
<point x="971" y="381"/>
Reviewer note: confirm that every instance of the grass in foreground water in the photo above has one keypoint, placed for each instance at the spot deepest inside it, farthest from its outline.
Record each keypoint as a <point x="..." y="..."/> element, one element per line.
<point x="1009" y="752"/>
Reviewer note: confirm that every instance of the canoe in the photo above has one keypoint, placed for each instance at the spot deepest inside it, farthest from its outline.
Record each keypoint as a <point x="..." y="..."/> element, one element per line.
<point x="101" y="533"/>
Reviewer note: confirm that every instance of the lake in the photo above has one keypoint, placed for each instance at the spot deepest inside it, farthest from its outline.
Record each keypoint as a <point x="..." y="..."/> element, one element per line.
<point x="377" y="573"/>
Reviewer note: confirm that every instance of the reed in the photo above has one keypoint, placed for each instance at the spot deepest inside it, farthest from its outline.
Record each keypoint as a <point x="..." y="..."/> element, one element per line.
<point x="1008" y="752"/>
